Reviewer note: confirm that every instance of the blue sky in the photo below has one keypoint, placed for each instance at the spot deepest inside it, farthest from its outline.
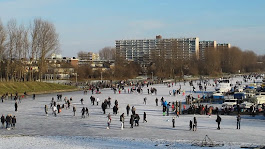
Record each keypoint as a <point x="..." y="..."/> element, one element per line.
<point x="90" y="25"/>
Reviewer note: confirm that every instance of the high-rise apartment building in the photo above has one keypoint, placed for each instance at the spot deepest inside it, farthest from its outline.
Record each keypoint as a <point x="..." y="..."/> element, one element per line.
<point x="140" y="50"/>
<point x="204" y="45"/>
<point x="221" y="46"/>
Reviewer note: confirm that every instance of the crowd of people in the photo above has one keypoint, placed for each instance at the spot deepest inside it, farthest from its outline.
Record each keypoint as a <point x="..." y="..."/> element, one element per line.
<point x="177" y="107"/>
<point x="134" y="118"/>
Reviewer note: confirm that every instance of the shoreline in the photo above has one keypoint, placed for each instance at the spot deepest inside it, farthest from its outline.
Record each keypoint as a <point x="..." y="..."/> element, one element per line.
<point x="34" y="88"/>
<point x="108" y="142"/>
<point x="55" y="91"/>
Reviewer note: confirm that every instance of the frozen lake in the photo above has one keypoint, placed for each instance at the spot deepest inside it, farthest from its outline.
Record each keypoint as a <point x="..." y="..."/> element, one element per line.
<point x="36" y="130"/>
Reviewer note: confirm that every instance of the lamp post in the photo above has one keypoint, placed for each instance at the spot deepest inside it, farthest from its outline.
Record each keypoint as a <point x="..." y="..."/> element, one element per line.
<point x="101" y="76"/>
<point x="76" y="77"/>
<point x="152" y="76"/>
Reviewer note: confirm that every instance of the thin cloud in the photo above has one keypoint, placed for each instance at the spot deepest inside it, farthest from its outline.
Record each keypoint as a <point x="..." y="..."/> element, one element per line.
<point x="147" y="24"/>
<point x="24" y="8"/>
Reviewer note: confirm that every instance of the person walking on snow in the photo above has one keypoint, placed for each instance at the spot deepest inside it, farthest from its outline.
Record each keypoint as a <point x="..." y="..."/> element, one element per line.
<point x="87" y="112"/>
<point x="14" y="121"/>
<point x="144" y="119"/>
<point x="16" y="105"/>
<point x="122" y="121"/>
<point x="3" y="121"/>
<point x="109" y="121"/>
<point x="98" y="101"/>
<point x="83" y="112"/>
<point x="133" y="110"/>
<point x="8" y="122"/>
<point x="218" y="120"/>
<point x="128" y="109"/>
<point x="74" y="109"/>
<point x="173" y="121"/>
<point x="238" y="119"/>
<point x="190" y="124"/>
<point x="131" y="121"/>
<point x="194" y="124"/>
<point x="145" y="99"/>
<point x="54" y="110"/>
<point x="46" y="110"/>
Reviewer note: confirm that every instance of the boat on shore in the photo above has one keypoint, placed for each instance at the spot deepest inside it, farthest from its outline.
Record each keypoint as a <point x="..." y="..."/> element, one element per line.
<point x="223" y="86"/>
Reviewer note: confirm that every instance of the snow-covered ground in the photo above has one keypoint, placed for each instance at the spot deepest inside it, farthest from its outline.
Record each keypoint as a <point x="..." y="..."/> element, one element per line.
<point x="36" y="130"/>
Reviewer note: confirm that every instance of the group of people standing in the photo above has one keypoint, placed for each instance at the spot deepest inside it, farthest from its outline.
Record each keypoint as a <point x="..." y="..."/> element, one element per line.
<point x="9" y="120"/>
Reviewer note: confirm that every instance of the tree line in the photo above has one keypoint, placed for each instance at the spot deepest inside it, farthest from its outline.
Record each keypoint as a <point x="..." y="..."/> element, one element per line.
<point x="122" y="69"/>
<point x="24" y="48"/>
<point x="213" y="63"/>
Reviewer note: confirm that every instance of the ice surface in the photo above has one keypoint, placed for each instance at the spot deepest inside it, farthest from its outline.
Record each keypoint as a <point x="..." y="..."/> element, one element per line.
<point x="36" y="130"/>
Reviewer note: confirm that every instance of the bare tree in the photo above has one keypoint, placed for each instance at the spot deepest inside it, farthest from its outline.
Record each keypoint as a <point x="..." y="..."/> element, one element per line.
<point x="249" y="61"/>
<point x="45" y="41"/>
<point x="21" y="48"/>
<point x="25" y="43"/>
<point x="85" y="72"/>
<point x="193" y="66"/>
<point x="231" y="59"/>
<point x="17" y="47"/>
<point x="211" y="65"/>
<point x="34" y="46"/>
<point x="2" y="40"/>
<point x="11" y="46"/>
<point x="260" y="62"/>
<point x="3" y="37"/>
<point x="16" y="61"/>
<point x="107" y="53"/>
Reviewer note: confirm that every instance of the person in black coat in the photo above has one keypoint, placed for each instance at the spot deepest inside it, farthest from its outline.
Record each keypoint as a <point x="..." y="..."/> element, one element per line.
<point x="92" y="100"/>
<point x="131" y="121"/>
<point x="83" y="112"/>
<point x="3" y="120"/>
<point x="116" y="102"/>
<point x="8" y="121"/>
<point x="87" y="112"/>
<point x="115" y="110"/>
<point x="194" y="124"/>
<point x="58" y="107"/>
<point x="218" y="120"/>
<point x="14" y="121"/>
<point x="16" y="105"/>
<point x="128" y="109"/>
<point x="103" y="106"/>
<point x="144" y="119"/>
<point x="74" y="109"/>
<point x="190" y="124"/>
